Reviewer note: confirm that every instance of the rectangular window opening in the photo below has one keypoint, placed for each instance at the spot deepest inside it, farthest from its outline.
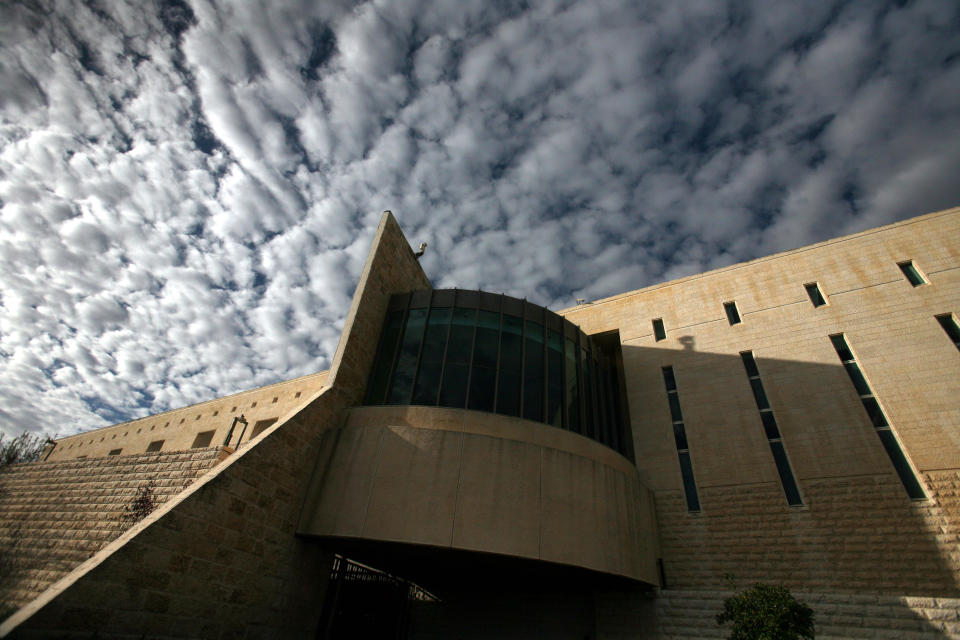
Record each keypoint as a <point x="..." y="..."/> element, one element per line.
<point x="816" y="296"/>
<point x="658" y="332"/>
<point x="156" y="445"/>
<point x="260" y="426"/>
<point x="680" y="439"/>
<point x="202" y="440"/>
<point x="787" y="480"/>
<point x="912" y="273"/>
<point x="949" y="324"/>
<point x="115" y="452"/>
<point x="878" y="418"/>
<point x="733" y="315"/>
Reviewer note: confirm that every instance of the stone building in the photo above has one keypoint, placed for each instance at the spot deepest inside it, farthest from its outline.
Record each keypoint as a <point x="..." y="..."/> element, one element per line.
<point x="491" y="468"/>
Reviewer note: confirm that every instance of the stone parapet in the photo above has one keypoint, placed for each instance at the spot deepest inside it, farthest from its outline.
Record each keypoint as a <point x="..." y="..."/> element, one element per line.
<point x="55" y="515"/>
<point x="675" y="614"/>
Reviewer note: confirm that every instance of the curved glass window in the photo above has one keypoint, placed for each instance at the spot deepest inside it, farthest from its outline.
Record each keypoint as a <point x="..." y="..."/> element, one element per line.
<point x="489" y="352"/>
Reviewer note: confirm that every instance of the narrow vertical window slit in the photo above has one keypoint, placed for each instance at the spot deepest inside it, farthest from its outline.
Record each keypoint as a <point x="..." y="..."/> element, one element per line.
<point x="877" y="417"/>
<point x="787" y="479"/>
<point x="680" y="439"/>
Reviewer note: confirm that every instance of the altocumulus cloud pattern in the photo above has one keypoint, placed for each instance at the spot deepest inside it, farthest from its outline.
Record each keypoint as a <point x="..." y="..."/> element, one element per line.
<point x="188" y="189"/>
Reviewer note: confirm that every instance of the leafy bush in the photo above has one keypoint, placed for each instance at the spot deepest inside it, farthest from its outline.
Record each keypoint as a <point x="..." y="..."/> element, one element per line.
<point x="142" y="505"/>
<point x="766" y="612"/>
<point x="26" y="447"/>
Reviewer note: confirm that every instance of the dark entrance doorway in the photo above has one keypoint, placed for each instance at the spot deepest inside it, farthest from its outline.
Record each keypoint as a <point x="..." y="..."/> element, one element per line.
<point x="363" y="602"/>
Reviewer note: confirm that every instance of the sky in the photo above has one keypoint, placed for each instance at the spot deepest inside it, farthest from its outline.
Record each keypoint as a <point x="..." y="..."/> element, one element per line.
<point x="188" y="189"/>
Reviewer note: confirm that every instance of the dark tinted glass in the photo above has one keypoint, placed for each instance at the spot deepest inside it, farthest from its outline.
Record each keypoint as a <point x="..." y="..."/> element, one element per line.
<point x="470" y="355"/>
<point x="456" y="368"/>
<point x="461" y="336"/>
<point x="511" y="352"/>
<point x="380" y="375"/>
<point x="589" y="423"/>
<point x="453" y="392"/>
<point x="840" y="344"/>
<point x="571" y="395"/>
<point x="431" y="357"/>
<point x="759" y="394"/>
<point x="420" y="299"/>
<point x="483" y="380"/>
<point x="859" y="382"/>
<point x="689" y="485"/>
<point x="658" y="332"/>
<point x="533" y="366"/>
<point x="786" y="474"/>
<point x="483" y="386"/>
<point x="733" y="316"/>
<point x="402" y="385"/>
<point x="675" y="414"/>
<point x="668" y="378"/>
<point x="815" y="296"/>
<point x="874" y="411"/>
<point x="554" y="379"/>
<point x="910" y="483"/>
<point x="770" y="425"/>
<point x="604" y="417"/>
<point x="749" y="363"/>
<point x="487" y="341"/>
<point x="680" y="436"/>
<point x="950" y="326"/>
<point x="616" y="426"/>
<point x="910" y="271"/>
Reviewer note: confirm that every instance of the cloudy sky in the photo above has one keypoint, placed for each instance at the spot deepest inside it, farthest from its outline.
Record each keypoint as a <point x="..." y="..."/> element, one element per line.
<point x="188" y="188"/>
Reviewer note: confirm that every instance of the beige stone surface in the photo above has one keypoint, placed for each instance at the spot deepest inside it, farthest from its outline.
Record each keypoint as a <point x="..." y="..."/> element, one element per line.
<point x="679" y="613"/>
<point x="221" y="558"/>
<point x="857" y="529"/>
<point x="481" y="482"/>
<point x="55" y="515"/>
<point x="414" y="490"/>
<point x="178" y="428"/>
<point x="500" y="512"/>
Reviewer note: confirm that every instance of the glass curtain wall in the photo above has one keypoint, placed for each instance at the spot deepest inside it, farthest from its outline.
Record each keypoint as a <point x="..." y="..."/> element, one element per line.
<point x="489" y="352"/>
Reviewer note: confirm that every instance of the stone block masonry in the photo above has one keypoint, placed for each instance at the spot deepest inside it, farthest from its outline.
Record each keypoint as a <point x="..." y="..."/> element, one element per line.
<point x="55" y="515"/>
<point x="678" y="614"/>
<point x="222" y="559"/>
<point x="857" y="535"/>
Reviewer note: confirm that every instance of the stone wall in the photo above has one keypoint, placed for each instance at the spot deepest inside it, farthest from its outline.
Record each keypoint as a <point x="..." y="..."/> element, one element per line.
<point x="222" y="559"/>
<point x="855" y="535"/>
<point x="856" y="530"/>
<point x="176" y="429"/>
<point x="674" y="614"/>
<point x="55" y="515"/>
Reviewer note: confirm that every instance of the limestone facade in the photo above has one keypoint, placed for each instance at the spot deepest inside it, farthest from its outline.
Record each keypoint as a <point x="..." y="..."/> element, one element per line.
<point x="178" y="429"/>
<point x="857" y="529"/>
<point x="795" y="481"/>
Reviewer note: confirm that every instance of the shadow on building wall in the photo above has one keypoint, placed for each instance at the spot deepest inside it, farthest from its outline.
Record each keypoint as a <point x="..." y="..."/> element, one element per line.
<point x="854" y="544"/>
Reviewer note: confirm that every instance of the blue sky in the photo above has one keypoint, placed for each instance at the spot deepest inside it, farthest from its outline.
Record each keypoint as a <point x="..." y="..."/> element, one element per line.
<point x="188" y="189"/>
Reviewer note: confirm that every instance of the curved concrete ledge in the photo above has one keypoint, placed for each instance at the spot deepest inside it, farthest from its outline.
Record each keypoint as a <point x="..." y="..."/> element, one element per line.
<point x="482" y="482"/>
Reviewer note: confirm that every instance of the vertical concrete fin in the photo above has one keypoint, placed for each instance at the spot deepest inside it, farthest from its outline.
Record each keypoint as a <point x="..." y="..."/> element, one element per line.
<point x="391" y="268"/>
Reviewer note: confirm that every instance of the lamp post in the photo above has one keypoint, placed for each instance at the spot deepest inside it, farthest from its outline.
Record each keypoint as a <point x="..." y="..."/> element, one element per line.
<point x="236" y="419"/>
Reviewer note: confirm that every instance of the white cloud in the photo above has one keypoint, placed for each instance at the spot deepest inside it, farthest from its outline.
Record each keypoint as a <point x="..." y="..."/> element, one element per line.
<point x="185" y="213"/>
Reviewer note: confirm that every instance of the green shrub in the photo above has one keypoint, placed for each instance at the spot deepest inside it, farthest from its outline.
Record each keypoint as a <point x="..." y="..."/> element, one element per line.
<point x="766" y="612"/>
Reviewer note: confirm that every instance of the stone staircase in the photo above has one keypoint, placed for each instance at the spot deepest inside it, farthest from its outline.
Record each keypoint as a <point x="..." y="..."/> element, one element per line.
<point x="677" y="614"/>
<point x="55" y="515"/>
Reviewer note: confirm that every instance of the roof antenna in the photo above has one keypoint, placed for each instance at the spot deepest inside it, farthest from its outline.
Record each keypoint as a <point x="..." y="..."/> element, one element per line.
<point x="423" y="246"/>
